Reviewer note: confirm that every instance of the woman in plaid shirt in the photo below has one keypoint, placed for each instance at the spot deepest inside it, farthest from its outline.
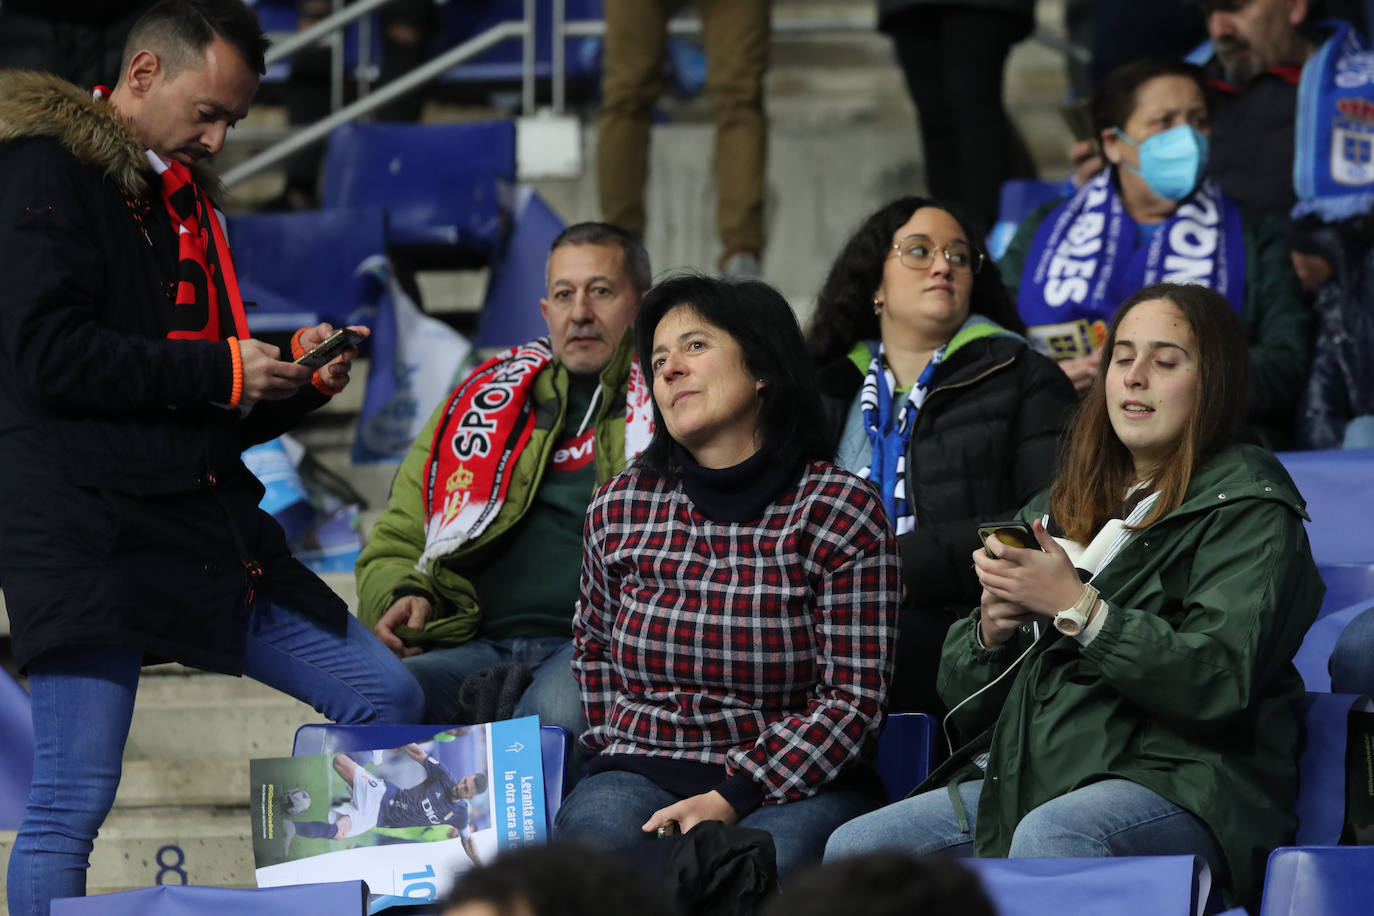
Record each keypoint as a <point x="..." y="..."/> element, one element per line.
<point x="739" y="595"/>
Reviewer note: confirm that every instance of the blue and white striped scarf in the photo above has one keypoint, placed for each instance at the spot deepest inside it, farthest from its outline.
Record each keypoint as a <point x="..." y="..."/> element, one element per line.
<point x="889" y="436"/>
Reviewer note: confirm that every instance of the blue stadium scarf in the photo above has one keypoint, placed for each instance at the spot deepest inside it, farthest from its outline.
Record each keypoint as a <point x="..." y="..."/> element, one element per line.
<point x="1333" y="166"/>
<point x="1085" y="260"/>
<point x="889" y="435"/>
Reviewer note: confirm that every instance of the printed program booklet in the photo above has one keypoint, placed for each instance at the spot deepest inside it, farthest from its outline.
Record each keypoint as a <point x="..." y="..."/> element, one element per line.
<point x="405" y="820"/>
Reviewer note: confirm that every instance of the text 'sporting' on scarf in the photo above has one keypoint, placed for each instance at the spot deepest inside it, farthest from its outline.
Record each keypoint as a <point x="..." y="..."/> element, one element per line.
<point x="483" y="429"/>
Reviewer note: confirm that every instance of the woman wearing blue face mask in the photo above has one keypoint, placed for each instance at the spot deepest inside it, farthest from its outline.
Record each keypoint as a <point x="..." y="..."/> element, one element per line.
<point x="1152" y="216"/>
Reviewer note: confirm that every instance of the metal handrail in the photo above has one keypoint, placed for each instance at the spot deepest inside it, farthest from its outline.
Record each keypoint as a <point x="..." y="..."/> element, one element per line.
<point x="369" y="103"/>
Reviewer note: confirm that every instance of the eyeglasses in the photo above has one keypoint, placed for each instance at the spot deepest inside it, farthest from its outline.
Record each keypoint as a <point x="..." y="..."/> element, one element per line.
<point x="918" y="253"/>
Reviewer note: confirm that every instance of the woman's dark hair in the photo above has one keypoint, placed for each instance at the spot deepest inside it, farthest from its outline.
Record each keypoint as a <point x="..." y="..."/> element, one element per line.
<point x="1115" y="99"/>
<point x="760" y="320"/>
<point x="844" y="308"/>
<point x="1096" y="468"/>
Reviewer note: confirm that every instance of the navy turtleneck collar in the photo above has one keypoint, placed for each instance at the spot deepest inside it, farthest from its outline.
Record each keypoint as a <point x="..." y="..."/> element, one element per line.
<point x="734" y="494"/>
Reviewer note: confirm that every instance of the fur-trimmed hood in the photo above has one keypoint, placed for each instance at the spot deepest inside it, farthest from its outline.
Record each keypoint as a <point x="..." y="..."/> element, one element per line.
<point x="41" y="105"/>
<point x="34" y="104"/>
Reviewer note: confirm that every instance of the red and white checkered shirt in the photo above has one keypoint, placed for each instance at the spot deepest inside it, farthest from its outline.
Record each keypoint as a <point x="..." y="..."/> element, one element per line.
<point x="764" y="646"/>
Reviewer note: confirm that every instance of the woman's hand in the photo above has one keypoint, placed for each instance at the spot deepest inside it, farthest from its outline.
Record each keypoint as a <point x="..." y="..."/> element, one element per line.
<point x="709" y="806"/>
<point x="1041" y="581"/>
<point x="998" y="619"/>
<point x="1082" y="371"/>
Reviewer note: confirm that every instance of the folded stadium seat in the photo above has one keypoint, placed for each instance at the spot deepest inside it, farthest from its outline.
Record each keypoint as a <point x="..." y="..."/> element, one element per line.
<point x="1346" y="584"/>
<point x="445" y="187"/>
<point x="330" y="739"/>
<point x="1017" y="199"/>
<point x="906" y="750"/>
<point x="1321" y="769"/>
<point x="501" y="63"/>
<point x="1340" y="501"/>
<point x="509" y="310"/>
<point x="16" y="751"/>
<point x="1122" y="886"/>
<point x="341" y="897"/>
<point x="301" y="268"/>
<point x="1329" y="880"/>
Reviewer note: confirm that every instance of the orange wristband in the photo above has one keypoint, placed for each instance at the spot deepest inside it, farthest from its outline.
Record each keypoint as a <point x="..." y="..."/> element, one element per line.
<point x="297" y="351"/>
<point x="317" y="381"/>
<point x="236" y="360"/>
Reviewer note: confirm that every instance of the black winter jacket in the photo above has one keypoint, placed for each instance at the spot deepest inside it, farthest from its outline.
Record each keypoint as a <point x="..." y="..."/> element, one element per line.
<point x="128" y="517"/>
<point x="1340" y="386"/>
<point x="985" y="441"/>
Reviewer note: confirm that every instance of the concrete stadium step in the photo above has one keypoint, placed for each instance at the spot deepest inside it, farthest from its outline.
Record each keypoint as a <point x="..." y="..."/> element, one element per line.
<point x="184" y="716"/>
<point x="172" y="845"/>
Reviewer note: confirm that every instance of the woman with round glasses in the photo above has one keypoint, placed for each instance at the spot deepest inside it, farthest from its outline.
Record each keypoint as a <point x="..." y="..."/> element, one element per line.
<point x="930" y="392"/>
<point x="1149" y="217"/>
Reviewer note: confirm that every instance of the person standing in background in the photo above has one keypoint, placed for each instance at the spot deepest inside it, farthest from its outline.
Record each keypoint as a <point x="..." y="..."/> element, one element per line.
<point x="953" y="54"/>
<point x="735" y="35"/>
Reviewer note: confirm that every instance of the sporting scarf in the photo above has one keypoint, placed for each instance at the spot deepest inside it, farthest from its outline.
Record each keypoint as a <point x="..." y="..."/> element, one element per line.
<point x="206" y="282"/>
<point x="1333" y="162"/>
<point x="888" y="437"/>
<point x="1085" y="261"/>
<point x="481" y="433"/>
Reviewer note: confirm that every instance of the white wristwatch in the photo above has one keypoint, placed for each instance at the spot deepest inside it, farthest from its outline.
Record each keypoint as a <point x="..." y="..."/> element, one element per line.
<point x="1072" y="620"/>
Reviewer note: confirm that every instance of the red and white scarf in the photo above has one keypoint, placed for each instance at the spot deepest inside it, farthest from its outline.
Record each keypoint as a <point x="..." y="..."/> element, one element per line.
<point x="481" y="433"/>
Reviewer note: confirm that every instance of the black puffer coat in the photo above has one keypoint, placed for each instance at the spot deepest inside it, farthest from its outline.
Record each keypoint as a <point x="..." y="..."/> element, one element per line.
<point x="127" y="515"/>
<point x="985" y="441"/>
<point x="1340" y="386"/>
<point x="1022" y="9"/>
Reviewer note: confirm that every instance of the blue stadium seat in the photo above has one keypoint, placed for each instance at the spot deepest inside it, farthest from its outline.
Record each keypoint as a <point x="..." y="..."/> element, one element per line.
<point x="510" y="311"/>
<point x="1123" y="886"/>
<point x="343" y="897"/>
<point x="16" y="751"/>
<point x="1321" y="769"/>
<point x="502" y="62"/>
<point x="330" y="739"/>
<point x="1314" y="655"/>
<point x="905" y="752"/>
<point x="1346" y="584"/>
<point x="1326" y="880"/>
<point x="1017" y="199"/>
<point x="442" y="185"/>
<point x="301" y="268"/>
<point x="1340" y="501"/>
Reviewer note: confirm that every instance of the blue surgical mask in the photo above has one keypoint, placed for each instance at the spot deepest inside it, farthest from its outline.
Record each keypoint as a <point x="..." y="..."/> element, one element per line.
<point x="1171" y="161"/>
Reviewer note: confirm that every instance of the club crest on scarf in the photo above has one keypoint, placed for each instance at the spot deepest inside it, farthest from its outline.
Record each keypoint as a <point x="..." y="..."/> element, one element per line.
<point x="1333" y="163"/>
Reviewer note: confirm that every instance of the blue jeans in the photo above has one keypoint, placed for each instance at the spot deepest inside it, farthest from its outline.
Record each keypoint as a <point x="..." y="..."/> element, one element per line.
<point x="83" y="701"/>
<point x="1359" y="432"/>
<point x="1114" y="817"/>
<point x="606" y="810"/>
<point x="553" y="695"/>
<point x="1352" y="660"/>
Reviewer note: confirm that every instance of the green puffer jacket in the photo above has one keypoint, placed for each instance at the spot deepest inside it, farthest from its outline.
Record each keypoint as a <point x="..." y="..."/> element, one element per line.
<point x="1189" y="688"/>
<point x="1278" y="325"/>
<point x="386" y="569"/>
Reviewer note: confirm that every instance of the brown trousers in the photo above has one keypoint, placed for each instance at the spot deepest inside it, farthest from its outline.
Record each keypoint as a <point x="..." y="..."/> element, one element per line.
<point x="735" y="37"/>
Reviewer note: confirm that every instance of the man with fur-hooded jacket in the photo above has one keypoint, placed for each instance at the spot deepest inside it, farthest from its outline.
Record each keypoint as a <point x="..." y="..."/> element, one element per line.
<point x="129" y="384"/>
